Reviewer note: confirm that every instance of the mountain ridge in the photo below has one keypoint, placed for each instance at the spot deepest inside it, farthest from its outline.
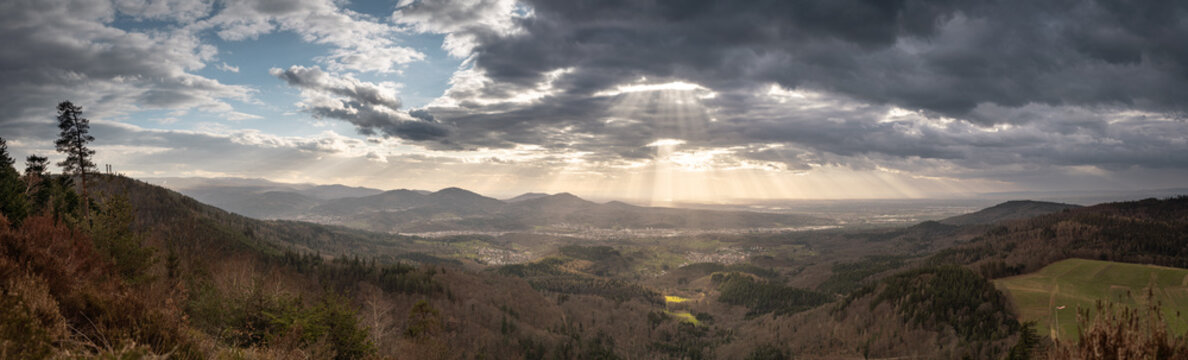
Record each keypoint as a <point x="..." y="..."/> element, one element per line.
<point x="458" y="209"/>
<point x="1010" y="210"/>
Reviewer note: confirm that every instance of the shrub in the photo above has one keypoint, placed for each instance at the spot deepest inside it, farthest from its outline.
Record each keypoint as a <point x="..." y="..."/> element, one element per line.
<point x="1123" y="333"/>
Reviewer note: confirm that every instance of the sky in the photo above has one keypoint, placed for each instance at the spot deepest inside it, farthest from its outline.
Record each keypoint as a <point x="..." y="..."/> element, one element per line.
<point x="649" y="100"/>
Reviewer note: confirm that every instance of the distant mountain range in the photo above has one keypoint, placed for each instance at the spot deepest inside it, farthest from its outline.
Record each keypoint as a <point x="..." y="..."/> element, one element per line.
<point x="455" y="209"/>
<point x="259" y="198"/>
<point x="458" y="209"/>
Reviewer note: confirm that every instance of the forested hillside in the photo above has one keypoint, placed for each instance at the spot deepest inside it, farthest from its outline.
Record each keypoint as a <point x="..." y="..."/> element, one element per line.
<point x="149" y="271"/>
<point x="134" y="269"/>
<point x="1149" y="231"/>
<point x="947" y="306"/>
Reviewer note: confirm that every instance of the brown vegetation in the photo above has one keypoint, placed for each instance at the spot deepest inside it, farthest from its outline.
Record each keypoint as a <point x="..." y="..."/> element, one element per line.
<point x="1122" y="333"/>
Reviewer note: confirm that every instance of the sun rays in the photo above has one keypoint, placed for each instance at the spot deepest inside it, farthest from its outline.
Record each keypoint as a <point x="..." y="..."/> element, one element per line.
<point x="669" y="118"/>
<point x="667" y="148"/>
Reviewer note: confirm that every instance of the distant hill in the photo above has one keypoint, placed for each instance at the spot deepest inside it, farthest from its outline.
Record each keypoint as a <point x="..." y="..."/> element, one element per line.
<point x="1149" y="231"/>
<point x="259" y="198"/>
<point x="401" y="199"/>
<point x="408" y="210"/>
<point x="462" y="200"/>
<point x="570" y="209"/>
<point x="269" y="204"/>
<point x="190" y="223"/>
<point x="526" y="196"/>
<point x="1010" y="210"/>
<point x="210" y="185"/>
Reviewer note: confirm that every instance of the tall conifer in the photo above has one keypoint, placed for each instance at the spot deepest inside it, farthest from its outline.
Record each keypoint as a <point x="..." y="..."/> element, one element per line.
<point x="73" y="141"/>
<point x="12" y="194"/>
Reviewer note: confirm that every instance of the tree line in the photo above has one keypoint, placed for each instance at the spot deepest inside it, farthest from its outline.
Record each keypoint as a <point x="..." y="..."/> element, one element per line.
<point x="37" y="191"/>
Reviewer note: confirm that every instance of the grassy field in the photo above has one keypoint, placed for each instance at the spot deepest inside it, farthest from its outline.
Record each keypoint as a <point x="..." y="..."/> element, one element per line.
<point x="1077" y="283"/>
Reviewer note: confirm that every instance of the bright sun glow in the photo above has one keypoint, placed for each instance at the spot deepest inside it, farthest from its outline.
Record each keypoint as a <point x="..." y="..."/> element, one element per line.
<point x="666" y="143"/>
<point x="635" y="88"/>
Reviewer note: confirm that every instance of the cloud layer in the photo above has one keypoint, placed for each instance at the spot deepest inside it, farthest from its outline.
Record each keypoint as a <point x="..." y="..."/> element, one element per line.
<point x="1003" y="95"/>
<point x="943" y="56"/>
<point x="978" y="89"/>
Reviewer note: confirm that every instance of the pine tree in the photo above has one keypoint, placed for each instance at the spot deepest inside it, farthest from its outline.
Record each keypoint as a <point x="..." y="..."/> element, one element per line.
<point x="62" y="201"/>
<point x="37" y="190"/>
<point x="12" y="197"/>
<point x="114" y="236"/>
<point x="73" y="142"/>
<point x="35" y="171"/>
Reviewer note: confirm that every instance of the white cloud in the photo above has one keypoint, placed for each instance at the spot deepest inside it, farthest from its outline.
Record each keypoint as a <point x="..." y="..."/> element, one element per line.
<point x="470" y="87"/>
<point x="225" y="67"/>
<point x="461" y="20"/>
<point x="382" y="59"/>
<point x="361" y="42"/>
<point x="59" y="50"/>
<point x="184" y="11"/>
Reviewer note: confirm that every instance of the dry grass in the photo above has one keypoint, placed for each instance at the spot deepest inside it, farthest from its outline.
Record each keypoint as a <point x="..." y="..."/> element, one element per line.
<point x="1119" y="332"/>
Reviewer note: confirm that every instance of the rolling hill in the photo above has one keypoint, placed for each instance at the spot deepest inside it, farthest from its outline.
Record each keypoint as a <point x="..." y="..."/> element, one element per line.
<point x="526" y="196"/>
<point x="1149" y="231"/>
<point x="226" y="285"/>
<point x="400" y="199"/>
<point x="1010" y="210"/>
<point x="456" y="209"/>
<point x="258" y="198"/>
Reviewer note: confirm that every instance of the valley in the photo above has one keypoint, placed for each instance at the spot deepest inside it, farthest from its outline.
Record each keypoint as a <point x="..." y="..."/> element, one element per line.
<point x="664" y="289"/>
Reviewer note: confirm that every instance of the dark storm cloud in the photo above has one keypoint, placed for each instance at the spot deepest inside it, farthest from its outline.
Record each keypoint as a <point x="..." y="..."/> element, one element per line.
<point x="606" y="127"/>
<point x="315" y="79"/>
<point x="792" y="159"/>
<point x="370" y="107"/>
<point x="991" y="85"/>
<point x="942" y="56"/>
<point x="1055" y="136"/>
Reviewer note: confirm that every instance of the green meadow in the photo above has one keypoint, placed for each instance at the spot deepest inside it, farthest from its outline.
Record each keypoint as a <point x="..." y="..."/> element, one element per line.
<point x="1052" y="295"/>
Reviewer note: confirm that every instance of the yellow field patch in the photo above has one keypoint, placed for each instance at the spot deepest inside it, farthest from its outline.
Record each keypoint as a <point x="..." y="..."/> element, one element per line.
<point x="684" y="316"/>
<point x="675" y="299"/>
